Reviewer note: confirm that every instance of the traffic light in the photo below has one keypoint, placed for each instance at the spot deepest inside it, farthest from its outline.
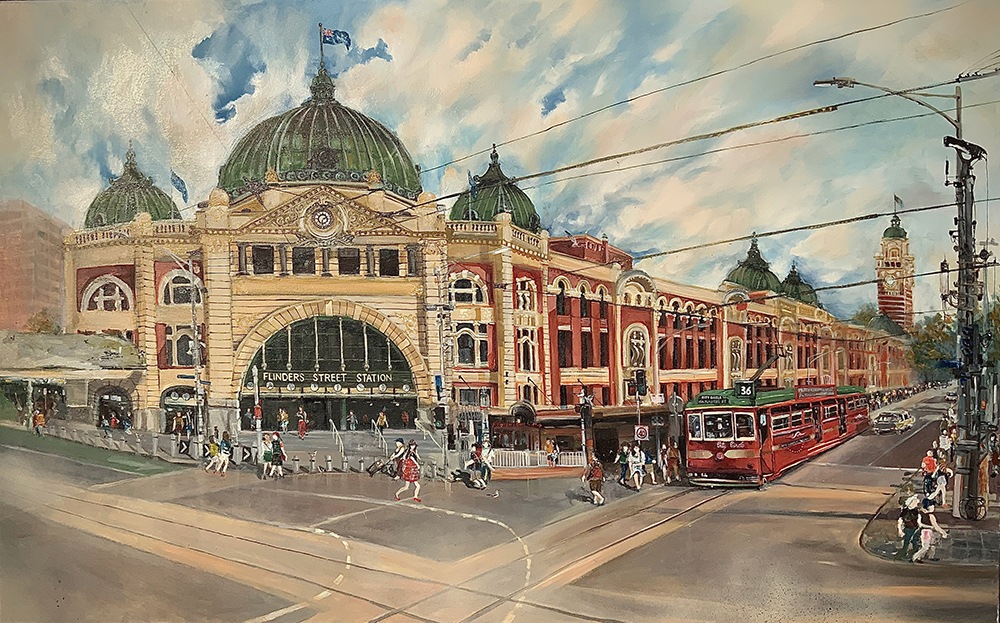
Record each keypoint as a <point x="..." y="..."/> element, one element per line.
<point x="969" y="343"/>
<point x="640" y="383"/>
<point x="439" y="417"/>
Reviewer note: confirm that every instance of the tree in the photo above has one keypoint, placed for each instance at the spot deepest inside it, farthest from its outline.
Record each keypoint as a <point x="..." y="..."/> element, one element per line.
<point x="41" y="322"/>
<point x="865" y="314"/>
<point x="932" y="341"/>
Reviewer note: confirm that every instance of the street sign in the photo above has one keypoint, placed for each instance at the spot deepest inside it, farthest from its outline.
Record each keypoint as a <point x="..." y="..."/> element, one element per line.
<point x="676" y="404"/>
<point x="184" y="446"/>
<point x="186" y="376"/>
<point x="658" y="421"/>
<point x="641" y="433"/>
<point x="247" y="452"/>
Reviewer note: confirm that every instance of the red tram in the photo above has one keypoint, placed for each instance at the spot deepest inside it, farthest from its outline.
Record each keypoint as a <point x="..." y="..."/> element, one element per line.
<point x="734" y="441"/>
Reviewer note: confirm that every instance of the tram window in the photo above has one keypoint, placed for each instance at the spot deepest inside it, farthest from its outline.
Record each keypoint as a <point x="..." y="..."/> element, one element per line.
<point x="796" y="419"/>
<point x="779" y="421"/>
<point x="694" y="426"/>
<point x="718" y="425"/>
<point x="831" y="411"/>
<point x="807" y="417"/>
<point x="744" y="425"/>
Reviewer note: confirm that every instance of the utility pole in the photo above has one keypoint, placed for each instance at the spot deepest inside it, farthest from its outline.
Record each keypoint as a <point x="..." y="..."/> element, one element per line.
<point x="969" y="498"/>
<point x="199" y="389"/>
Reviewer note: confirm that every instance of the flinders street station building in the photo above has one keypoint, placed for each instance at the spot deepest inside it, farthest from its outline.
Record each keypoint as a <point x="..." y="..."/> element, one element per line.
<point x="325" y="277"/>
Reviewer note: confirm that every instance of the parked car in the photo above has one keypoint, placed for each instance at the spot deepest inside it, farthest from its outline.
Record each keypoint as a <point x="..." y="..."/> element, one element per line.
<point x="892" y="422"/>
<point x="952" y="396"/>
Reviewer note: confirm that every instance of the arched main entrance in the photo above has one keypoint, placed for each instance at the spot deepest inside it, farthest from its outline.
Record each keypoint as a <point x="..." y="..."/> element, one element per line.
<point x="112" y="405"/>
<point x="331" y="367"/>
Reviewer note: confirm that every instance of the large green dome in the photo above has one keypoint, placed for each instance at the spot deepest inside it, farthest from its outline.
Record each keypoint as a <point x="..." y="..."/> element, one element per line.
<point x="753" y="273"/>
<point x="321" y="141"/>
<point x="894" y="230"/>
<point x="129" y="195"/>
<point x="493" y="193"/>
<point x="794" y="287"/>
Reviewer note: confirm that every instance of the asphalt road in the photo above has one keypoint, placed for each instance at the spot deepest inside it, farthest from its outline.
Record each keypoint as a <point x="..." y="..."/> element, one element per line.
<point x="338" y="547"/>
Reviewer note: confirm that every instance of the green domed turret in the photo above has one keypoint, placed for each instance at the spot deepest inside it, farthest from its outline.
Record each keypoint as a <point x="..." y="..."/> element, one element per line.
<point x="794" y="287"/>
<point x="495" y="193"/>
<point x="321" y="141"/>
<point x="894" y="230"/>
<point x="753" y="273"/>
<point x="129" y="195"/>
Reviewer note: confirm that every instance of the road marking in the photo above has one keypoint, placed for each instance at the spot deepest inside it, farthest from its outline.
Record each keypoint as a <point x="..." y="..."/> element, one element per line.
<point x="323" y="595"/>
<point x="340" y="578"/>
<point x="277" y="613"/>
<point x="827" y="562"/>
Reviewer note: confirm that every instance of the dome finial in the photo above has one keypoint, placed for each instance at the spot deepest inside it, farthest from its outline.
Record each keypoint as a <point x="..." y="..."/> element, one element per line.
<point x="322" y="87"/>
<point x="494" y="156"/>
<point x="130" y="157"/>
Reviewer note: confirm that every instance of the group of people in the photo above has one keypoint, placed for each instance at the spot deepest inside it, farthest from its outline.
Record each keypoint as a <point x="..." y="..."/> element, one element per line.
<point x="220" y="451"/>
<point x="406" y="461"/>
<point x="181" y="424"/>
<point x="635" y="464"/>
<point x="877" y="400"/>
<point x="272" y="456"/>
<point x="916" y="517"/>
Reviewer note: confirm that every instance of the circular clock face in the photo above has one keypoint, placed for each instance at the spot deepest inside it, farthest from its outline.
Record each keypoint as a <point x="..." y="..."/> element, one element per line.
<point x="322" y="218"/>
<point x="323" y="221"/>
<point x="890" y="280"/>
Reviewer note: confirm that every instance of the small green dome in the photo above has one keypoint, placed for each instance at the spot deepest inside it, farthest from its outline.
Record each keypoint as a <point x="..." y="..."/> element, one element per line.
<point x="321" y="141"/>
<point x="881" y="322"/>
<point x="794" y="287"/>
<point x="753" y="273"/>
<point x="494" y="193"/>
<point x="894" y="230"/>
<point x="129" y="195"/>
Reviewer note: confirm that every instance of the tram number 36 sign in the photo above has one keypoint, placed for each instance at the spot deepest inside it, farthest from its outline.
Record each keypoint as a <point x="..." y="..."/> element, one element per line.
<point x="641" y="433"/>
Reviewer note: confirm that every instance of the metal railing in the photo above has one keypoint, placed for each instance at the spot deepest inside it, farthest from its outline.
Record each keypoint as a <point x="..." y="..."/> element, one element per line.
<point x="534" y="458"/>
<point x="380" y="441"/>
<point x="337" y="439"/>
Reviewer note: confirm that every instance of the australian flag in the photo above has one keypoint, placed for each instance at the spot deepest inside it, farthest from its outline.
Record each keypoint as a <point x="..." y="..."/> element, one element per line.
<point x="333" y="37"/>
<point x="179" y="185"/>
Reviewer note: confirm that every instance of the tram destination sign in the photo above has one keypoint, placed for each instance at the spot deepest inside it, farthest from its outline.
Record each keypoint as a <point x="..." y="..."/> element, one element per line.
<point x="395" y="379"/>
<point x="713" y="399"/>
<point x="815" y="391"/>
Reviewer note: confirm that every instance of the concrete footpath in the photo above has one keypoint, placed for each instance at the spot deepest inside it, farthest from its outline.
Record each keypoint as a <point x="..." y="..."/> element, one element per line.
<point x="975" y="543"/>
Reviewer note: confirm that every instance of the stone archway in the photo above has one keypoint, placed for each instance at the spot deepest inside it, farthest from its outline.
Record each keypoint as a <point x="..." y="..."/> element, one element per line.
<point x="327" y="307"/>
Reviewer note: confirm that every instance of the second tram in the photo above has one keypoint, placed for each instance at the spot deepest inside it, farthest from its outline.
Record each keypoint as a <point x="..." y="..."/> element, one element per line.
<point x="734" y="441"/>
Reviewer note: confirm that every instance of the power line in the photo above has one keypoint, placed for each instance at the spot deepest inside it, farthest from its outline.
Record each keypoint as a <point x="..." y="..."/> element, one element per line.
<point x="754" y="144"/>
<point x="700" y="79"/>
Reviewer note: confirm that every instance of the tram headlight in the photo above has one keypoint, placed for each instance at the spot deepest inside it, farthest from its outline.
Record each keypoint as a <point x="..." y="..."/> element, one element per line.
<point x="719" y="456"/>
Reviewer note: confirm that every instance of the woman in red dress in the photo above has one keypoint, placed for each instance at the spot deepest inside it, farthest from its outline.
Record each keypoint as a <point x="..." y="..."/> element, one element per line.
<point x="411" y="471"/>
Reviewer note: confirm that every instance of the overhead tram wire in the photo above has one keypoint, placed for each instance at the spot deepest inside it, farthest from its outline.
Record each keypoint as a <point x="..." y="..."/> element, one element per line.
<point x="700" y="79"/>
<point x="755" y="144"/>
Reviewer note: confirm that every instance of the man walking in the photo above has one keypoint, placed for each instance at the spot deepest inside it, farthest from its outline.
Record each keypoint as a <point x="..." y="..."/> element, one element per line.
<point x="928" y="526"/>
<point x="907" y="526"/>
<point x="623" y="464"/>
<point x="594" y="476"/>
<point x="303" y="422"/>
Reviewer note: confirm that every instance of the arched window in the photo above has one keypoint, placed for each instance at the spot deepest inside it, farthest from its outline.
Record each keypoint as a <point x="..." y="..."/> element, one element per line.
<point x="526" y="295"/>
<point x="584" y="304"/>
<point x="604" y="302"/>
<point x="466" y="349"/>
<point x="662" y="318"/>
<point x="561" y="300"/>
<point x="472" y="344"/>
<point x="528" y="350"/>
<point x="177" y="289"/>
<point x="677" y="316"/>
<point x="466" y="291"/>
<point x="179" y="346"/>
<point x="107" y="293"/>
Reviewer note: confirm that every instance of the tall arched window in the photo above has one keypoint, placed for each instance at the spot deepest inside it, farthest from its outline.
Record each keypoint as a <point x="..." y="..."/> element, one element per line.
<point x="473" y="344"/>
<point x="528" y="349"/>
<point x="466" y="291"/>
<point x="177" y="289"/>
<point x="561" y="300"/>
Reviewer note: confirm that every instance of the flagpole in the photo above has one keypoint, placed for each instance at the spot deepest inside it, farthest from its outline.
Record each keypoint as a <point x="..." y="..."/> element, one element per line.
<point x="321" y="44"/>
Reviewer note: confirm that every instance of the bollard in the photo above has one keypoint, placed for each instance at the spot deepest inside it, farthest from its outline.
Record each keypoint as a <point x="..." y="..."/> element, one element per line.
<point x="295" y="464"/>
<point x="361" y="464"/>
<point x="329" y="463"/>
<point x="345" y="467"/>
<point x="155" y="445"/>
<point x="173" y="445"/>
<point x="312" y="462"/>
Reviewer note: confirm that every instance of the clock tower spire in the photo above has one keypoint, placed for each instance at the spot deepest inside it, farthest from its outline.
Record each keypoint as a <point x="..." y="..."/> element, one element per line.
<point x="894" y="268"/>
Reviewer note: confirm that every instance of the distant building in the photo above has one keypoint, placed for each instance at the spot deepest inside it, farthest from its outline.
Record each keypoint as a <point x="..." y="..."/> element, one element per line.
<point x="894" y="268"/>
<point x="31" y="265"/>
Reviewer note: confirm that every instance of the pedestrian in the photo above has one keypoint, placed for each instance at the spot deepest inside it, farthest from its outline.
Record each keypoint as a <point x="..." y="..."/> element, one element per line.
<point x="928" y="526"/>
<point x="487" y="461"/>
<point x="352" y="421"/>
<point x="928" y="466"/>
<point x="635" y="466"/>
<point x="247" y="420"/>
<point x="383" y="422"/>
<point x="366" y="421"/>
<point x="258" y="417"/>
<point x="411" y="471"/>
<point x="114" y="421"/>
<point x="907" y="526"/>
<point x="277" y="456"/>
<point x="265" y="457"/>
<point x="283" y="421"/>
<point x="673" y="462"/>
<point x="397" y="457"/>
<point x="649" y="466"/>
<point x="662" y="458"/>
<point x="105" y="426"/>
<point x="38" y="421"/>
<point x="303" y="422"/>
<point x="225" y="452"/>
<point x="941" y="478"/>
<point x="405" y="416"/>
<point x="213" y="455"/>
<point x="623" y="464"/>
<point x="178" y="423"/>
<point x="550" y="452"/>
<point x="127" y="423"/>
<point x="475" y="465"/>
<point x="594" y="477"/>
<point x="944" y="445"/>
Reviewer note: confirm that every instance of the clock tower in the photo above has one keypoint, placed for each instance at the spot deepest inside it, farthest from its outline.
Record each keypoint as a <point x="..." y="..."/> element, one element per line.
<point x="894" y="269"/>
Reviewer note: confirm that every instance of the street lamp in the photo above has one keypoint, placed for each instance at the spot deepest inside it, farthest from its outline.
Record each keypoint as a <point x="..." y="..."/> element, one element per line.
<point x="850" y="83"/>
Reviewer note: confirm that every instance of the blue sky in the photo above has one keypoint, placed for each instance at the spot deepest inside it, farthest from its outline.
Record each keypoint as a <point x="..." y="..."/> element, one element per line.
<point x="185" y="80"/>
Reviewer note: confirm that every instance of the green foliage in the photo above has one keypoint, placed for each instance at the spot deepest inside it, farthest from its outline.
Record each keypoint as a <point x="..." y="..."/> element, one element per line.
<point x="865" y="314"/>
<point x="932" y="340"/>
<point x="41" y="322"/>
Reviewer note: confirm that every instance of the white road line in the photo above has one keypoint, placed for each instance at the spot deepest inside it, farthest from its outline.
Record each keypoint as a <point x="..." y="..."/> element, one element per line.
<point x="277" y="613"/>
<point x="340" y="578"/>
<point x="323" y="595"/>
